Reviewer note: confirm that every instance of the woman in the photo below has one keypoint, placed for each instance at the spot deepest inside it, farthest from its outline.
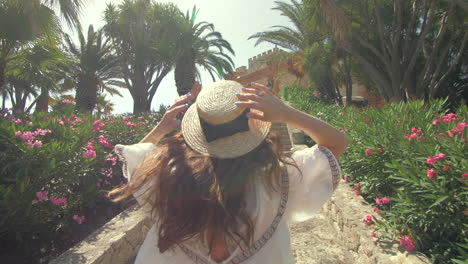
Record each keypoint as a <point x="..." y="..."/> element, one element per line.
<point x="221" y="190"/>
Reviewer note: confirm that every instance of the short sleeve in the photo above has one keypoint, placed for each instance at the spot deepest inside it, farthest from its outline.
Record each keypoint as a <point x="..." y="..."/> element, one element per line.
<point x="308" y="191"/>
<point x="132" y="156"/>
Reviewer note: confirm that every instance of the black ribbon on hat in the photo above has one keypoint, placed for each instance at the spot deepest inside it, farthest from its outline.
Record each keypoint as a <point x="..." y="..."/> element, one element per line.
<point x="214" y="132"/>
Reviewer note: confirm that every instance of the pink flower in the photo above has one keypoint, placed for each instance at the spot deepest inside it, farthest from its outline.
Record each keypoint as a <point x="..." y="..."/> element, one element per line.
<point x="41" y="132"/>
<point x="114" y="160"/>
<point x="461" y="126"/>
<point x="356" y="191"/>
<point x="433" y="159"/>
<point x="431" y="174"/>
<point x="61" y="122"/>
<point x="18" y="133"/>
<point x="98" y="123"/>
<point x="34" y="201"/>
<point x="451" y="133"/>
<point x="79" y="219"/>
<point x="90" y="145"/>
<point x="442" y="135"/>
<point x="37" y="144"/>
<point x="373" y="234"/>
<point x="346" y="179"/>
<point x="30" y="124"/>
<point x="129" y="124"/>
<point x="29" y="143"/>
<point x="42" y="196"/>
<point x="18" y="121"/>
<point x="385" y="200"/>
<point x="103" y="141"/>
<point x="410" y="247"/>
<point x="358" y="186"/>
<point x="66" y="101"/>
<point x="105" y="196"/>
<point x="375" y="209"/>
<point x="413" y="135"/>
<point x="107" y="183"/>
<point x="408" y="243"/>
<point x="447" y="167"/>
<point x="378" y="201"/>
<point x="89" y="154"/>
<point x="368" y="220"/>
<point x="436" y="122"/>
<point x="27" y="136"/>
<point x="369" y="152"/>
<point x="465" y="176"/>
<point x="60" y="201"/>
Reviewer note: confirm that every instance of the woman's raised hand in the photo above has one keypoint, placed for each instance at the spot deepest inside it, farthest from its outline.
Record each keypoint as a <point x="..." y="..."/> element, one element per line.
<point x="169" y="122"/>
<point x="257" y="96"/>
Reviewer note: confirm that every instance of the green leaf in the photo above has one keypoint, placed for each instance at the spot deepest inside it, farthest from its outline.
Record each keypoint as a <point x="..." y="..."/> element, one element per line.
<point x="438" y="201"/>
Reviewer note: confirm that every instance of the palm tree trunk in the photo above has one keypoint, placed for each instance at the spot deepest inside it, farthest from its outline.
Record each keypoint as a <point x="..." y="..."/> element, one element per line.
<point x="348" y="81"/>
<point x="4" y="95"/>
<point x="42" y="104"/>
<point x="86" y="94"/>
<point x="184" y="74"/>
<point x="2" y="75"/>
<point x="140" y="100"/>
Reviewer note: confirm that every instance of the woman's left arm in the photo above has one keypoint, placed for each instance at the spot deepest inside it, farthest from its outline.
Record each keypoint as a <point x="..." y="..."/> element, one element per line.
<point x="168" y="122"/>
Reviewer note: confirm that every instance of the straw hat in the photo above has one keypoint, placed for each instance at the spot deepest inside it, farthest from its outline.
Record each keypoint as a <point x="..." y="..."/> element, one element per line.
<point x="214" y="125"/>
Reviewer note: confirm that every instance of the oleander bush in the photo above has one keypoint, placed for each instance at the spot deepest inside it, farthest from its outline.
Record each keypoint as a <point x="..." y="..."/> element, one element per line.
<point x="410" y="161"/>
<point x="54" y="167"/>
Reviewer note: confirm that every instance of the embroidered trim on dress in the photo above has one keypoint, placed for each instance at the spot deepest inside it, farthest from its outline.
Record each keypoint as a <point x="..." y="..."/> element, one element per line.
<point x="257" y="245"/>
<point x="119" y="151"/>
<point x="335" y="167"/>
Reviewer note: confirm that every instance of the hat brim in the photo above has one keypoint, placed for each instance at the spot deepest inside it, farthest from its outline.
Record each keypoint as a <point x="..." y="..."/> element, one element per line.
<point x="233" y="146"/>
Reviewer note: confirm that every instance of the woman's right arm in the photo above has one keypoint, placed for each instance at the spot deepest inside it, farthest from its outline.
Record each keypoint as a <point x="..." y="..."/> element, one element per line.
<point x="321" y="132"/>
<point x="257" y="96"/>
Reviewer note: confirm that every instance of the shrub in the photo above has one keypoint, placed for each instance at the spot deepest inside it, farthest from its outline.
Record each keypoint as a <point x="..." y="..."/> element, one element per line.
<point x="414" y="155"/>
<point x="55" y="167"/>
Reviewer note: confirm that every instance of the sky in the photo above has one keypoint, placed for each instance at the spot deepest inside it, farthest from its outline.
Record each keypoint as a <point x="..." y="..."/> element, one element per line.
<point x="236" y="20"/>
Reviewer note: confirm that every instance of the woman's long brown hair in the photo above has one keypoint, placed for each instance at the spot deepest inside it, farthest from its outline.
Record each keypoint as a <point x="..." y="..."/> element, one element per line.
<point x="195" y="195"/>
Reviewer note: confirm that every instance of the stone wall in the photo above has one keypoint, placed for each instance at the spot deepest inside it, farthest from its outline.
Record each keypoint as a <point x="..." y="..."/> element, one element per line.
<point x="117" y="242"/>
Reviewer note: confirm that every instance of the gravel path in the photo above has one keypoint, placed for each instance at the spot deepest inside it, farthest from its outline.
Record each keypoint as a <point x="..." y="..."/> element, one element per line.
<point x="313" y="242"/>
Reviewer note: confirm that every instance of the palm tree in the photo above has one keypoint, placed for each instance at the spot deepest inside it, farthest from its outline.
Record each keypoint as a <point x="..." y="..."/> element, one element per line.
<point x="24" y="21"/>
<point x="144" y="35"/>
<point x="200" y="44"/>
<point x="103" y="106"/>
<point x="308" y="43"/>
<point x="69" y="10"/>
<point x="35" y="72"/>
<point x="20" y="24"/>
<point x="96" y="69"/>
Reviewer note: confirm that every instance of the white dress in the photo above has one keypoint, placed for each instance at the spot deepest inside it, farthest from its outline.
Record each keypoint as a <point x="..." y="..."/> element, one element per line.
<point x="301" y="196"/>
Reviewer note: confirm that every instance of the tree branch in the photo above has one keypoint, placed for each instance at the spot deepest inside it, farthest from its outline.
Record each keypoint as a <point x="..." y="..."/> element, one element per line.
<point x="452" y="67"/>
<point x="384" y="44"/>
<point x="424" y="75"/>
